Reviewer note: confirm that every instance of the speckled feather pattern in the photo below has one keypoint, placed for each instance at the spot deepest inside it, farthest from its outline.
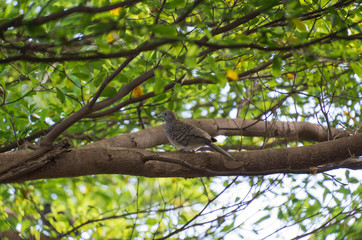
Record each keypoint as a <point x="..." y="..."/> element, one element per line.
<point x="188" y="137"/>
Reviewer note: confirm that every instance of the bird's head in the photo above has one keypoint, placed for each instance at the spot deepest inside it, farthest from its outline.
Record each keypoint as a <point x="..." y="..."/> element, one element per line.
<point x="168" y="115"/>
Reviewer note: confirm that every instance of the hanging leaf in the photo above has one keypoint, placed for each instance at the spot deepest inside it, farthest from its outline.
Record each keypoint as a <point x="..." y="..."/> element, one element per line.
<point x="290" y="76"/>
<point x="110" y="37"/>
<point x="357" y="68"/>
<point x="277" y="67"/>
<point x="232" y="75"/>
<point x="137" y="92"/>
<point x="108" y="92"/>
<point x="115" y="11"/>
<point x="60" y="95"/>
<point x="299" y="24"/>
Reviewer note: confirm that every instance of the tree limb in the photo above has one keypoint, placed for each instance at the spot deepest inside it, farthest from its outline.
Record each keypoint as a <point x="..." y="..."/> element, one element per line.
<point x="309" y="159"/>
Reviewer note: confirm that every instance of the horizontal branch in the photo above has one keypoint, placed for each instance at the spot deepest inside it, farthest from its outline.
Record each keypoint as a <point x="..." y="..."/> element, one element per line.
<point x="301" y="131"/>
<point x="322" y="40"/>
<point x="307" y="16"/>
<point x="88" y="56"/>
<point x="17" y="22"/>
<point x="307" y="159"/>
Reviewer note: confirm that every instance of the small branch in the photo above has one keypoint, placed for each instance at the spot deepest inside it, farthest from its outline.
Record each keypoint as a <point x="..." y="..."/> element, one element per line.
<point x="90" y="56"/>
<point x="17" y="22"/>
<point x="249" y="16"/>
<point x="87" y="109"/>
<point x="187" y="12"/>
<point x="310" y="15"/>
<point x="109" y="79"/>
<point x="320" y="41"/>
<point x="14" y="129"/>
<point x="30" y="138"/>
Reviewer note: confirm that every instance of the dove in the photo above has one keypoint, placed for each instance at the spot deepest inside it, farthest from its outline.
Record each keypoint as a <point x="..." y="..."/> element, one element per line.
<point x="188" y="137"/>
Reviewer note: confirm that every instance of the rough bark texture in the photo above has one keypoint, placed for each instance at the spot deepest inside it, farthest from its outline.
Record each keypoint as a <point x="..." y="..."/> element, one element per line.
<point x="116" y="160"/>
<point x="229" y="127"/>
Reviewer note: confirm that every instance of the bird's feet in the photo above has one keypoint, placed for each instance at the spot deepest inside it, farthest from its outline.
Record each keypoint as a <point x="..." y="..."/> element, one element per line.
<point x="183" y="150"/>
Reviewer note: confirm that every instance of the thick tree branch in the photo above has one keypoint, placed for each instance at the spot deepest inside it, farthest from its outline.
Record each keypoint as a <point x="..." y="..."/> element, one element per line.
<point x="15" y="164"/>
<point x="32" y="164"/>
<point x="155" y="136"/>
<point x="307" y="159"/>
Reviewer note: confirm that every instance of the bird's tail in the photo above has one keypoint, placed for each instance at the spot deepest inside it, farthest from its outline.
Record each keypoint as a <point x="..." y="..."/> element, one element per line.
<point x="222" y="151"/>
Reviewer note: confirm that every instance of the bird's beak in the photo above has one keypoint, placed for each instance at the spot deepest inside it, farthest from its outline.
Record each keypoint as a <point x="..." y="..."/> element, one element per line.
<point x="159" y="116"/>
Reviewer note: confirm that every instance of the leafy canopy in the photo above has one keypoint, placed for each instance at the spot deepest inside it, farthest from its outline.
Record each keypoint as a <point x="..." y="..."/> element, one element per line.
<point x="268" y="60"/>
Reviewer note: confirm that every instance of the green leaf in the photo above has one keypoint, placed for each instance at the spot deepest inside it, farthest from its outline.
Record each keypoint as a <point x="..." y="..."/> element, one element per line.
<point x="60" y="95"/>
<point x="299" y="24"/>
<point x="43" y="114"/>
<point x="174" y="4"/>
<point x="263" y="218"/>
<point x="34" y="29"/>
<point x="159" y="86"/>
<point x="163" y="30"/>
<point x="277" y="67"/>
<point x="352" y="180"/>
<point x="99" y="78"/>
<point x="176" y="90"/>
<point x="160" y="97"/>
<point x="109" y="92"/>
<point x="266" y="5"/>
<point x="357" y="68"/>
<point x="191" y="59"/>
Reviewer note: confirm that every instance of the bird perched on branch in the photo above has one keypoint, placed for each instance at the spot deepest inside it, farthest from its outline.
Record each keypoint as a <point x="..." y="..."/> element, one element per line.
<point x="188" y="137"/>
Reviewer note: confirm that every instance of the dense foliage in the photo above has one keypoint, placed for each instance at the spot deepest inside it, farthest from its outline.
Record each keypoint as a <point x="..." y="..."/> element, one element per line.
<point x="267" y="60"/>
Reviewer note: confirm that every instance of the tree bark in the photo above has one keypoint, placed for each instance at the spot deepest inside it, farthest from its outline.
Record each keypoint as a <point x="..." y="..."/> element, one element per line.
<point x="132" y="161"/>
<point x="155" y="136"/>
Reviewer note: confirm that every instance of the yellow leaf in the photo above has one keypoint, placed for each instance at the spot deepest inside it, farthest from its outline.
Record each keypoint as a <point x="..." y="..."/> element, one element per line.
<point x="279" y="42"/>
<point x="348" y="114"/>
<point x="233" y="75"/>
<point x="86" y="96"/>
<point x="115" y="11"/>
<point x="69" y="84"/>
<point x="290" y="76"/>
<point x="52" y="113"/>
<point x="137" y="92"/>
<point x="299" y="24"/>
<point x="177" y="202"/>
<point x="238" y="66"/>
<point x="230" y="2"/>
<point x="110" y="37"/>
<point x="197" y="15"/>
<point x="104" y="20"/>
